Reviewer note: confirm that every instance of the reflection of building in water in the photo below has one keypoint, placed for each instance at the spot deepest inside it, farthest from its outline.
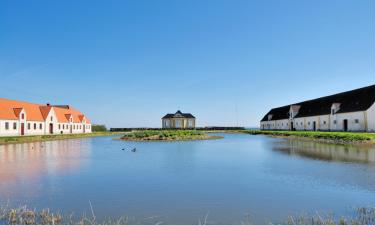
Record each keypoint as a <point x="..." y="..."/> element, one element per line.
<point x="323" y="151"/>
<point x="30" y="160"/>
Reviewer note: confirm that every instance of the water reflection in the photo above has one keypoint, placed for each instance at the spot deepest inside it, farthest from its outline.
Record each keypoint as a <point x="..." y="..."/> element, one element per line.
<point x="33" y="161"/>
<point x="328" y="152"/>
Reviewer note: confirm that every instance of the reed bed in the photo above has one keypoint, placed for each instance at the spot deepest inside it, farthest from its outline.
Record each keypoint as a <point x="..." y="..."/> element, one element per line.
<point x="26" y="216"/>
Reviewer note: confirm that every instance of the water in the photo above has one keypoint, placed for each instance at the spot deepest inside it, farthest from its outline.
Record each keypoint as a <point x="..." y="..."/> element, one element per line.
<point x="180" y="182"/>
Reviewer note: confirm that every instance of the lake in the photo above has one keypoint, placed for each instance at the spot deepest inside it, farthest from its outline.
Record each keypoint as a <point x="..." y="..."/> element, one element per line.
<point x="180" y="182"/>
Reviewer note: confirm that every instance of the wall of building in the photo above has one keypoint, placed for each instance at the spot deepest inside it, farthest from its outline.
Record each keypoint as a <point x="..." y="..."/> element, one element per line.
<point x="10" y="131"/>
<point x="33" y="128"/>
<point x="178" y="123"/>
<point x="370" y="114"/>
<point x="356" y="122"/>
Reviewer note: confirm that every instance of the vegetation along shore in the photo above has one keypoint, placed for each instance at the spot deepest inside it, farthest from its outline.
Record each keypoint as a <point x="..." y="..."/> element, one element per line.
<point x="38" y="138"/>
<point x="335" y="137"/>
<point x="24" y="215"/>
<point x="168" y="135"/>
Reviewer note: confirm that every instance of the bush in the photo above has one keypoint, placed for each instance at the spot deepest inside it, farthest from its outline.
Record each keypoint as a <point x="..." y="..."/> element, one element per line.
<point x="99" y="128"/>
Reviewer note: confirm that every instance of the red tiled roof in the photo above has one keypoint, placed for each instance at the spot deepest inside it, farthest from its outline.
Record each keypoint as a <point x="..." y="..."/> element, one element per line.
<point x="10" y="110"/>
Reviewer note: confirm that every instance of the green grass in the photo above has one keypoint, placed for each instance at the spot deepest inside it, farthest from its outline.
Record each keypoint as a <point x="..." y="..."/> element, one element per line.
<point x="25" y="139"/>
<point x="166" y="135"/>
<point x="332" y="136"/>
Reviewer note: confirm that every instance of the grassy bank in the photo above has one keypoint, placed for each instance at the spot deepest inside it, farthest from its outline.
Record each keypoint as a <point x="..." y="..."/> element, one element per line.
<point x="167" y="135"/>
<point x="25" y="216"/>
<point x="26" y="139"/>
<point x="340" y="137"/>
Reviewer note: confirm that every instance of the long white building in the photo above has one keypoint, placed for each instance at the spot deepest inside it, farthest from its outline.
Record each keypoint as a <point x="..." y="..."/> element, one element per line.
<point x="348" y="111"/>
<point x="19" y="118"/>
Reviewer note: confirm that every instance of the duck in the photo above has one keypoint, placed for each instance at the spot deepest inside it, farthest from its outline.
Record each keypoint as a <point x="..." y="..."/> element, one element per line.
<point x="134" y="149"/>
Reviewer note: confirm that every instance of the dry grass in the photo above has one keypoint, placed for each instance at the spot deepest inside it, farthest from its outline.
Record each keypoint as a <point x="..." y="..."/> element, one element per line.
<point x="25" y="216"/>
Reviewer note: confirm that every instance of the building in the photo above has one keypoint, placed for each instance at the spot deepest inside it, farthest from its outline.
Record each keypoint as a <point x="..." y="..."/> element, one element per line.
<point x="178" y="120"/>
<point x="348" y="111"/>
<point x="18" y="118"/>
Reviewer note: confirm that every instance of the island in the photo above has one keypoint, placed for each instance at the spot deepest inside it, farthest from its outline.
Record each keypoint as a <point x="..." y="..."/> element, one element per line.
<point x="168" y="135"/>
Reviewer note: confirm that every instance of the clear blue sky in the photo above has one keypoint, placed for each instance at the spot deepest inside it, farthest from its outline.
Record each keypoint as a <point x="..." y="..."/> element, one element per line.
<point x="127" y="63"/>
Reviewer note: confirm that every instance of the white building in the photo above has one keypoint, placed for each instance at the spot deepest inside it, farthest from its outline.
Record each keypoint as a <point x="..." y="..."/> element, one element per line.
<point x="348" y="111"/>
<point x="19" y="118"/>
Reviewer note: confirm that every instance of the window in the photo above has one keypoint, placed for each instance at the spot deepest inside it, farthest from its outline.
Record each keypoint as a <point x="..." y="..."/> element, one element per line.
<point x="356" y="121"/>
<point x="14" y="126"/>
<point x="308" y="123"/>
<point x="28" y="126"/>
<point x="23" y="116"/>
<point x="324" y="122"/>
<point x="335" y="122"/>
<point x="333" y="111"/>
<point x="34" y="126"/>
<point x="51" y="118"/>
<point x="6" y="125"/>
<point x="59" y="127"/>
<point x="40" y="126"/>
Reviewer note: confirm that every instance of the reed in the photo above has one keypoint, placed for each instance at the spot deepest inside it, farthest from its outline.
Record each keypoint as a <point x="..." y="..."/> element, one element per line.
<point x="26" y="216"/>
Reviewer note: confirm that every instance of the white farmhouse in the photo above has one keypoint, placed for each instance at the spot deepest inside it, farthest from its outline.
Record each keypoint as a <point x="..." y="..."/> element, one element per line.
<point x="348" y="111"/>
<point x="19" y="118"/>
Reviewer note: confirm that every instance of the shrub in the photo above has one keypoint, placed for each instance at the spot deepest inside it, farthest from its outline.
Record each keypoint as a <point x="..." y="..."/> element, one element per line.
<point x="98" y="128"/>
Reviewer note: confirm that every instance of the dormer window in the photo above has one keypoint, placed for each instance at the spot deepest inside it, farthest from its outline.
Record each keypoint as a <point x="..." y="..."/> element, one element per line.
<point x="270" y="117"/>
<point x="293" y="111"/>
<point x="51" y="118"/>
<point x="335" y="108"/>
<point x="23" y="116"/>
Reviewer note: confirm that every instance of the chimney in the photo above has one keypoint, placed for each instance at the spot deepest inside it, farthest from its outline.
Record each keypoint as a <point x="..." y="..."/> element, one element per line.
<point x="48" y="104"/>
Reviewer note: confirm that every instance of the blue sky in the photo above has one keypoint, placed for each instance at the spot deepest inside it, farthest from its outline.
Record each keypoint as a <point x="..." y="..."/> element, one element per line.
<point x="127" y="63"/>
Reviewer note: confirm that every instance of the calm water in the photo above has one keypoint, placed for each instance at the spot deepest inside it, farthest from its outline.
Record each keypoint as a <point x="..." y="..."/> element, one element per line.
<point x="179" y="182"/>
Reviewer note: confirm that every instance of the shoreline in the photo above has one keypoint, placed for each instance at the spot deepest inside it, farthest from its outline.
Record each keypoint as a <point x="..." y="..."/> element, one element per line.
<point x="205" y="138"/>
<point x="343" y="138"/>
<point x="44" y="138"/>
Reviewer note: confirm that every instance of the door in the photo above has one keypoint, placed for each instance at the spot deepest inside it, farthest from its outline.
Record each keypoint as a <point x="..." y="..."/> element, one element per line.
<point x="291" y="126"/>
<point x="314" y="126"/>
<point x="51" y="128"/>
<point x="71" y="128"/>
<point x="84" y="128"/>
<point x="22" y="129"/>
<point x="345" y="125"/>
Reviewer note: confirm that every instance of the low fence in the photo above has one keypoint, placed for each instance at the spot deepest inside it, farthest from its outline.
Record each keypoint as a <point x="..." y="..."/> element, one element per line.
<point x="198" y="128"/>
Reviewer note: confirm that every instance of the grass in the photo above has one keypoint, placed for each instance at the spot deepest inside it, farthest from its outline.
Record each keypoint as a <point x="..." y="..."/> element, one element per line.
<point x="345" y="137"/>
<point x="167" y="135"/>
<point x="38" y="138"/>
<point x="26" y="216"/>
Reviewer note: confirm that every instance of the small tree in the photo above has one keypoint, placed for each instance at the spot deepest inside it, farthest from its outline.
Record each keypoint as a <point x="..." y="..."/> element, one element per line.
<point x="99" y="128"/>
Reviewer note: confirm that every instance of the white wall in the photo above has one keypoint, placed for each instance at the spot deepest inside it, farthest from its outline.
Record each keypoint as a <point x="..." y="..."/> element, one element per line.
<point x="356" y="122"/>
<point x="10" y="131"/>
<point x="371" y="119"/>
<point x="352" y="124"/>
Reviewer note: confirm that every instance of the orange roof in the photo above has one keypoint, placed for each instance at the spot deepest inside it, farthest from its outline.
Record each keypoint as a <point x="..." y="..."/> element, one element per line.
<point x="63" y="114"/>
<point x="10" y="110"/>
